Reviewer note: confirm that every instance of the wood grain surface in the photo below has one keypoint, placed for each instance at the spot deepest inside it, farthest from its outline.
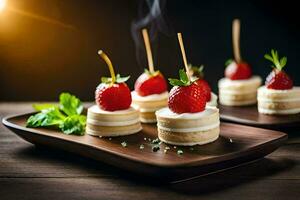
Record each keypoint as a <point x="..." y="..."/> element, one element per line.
<point x="30" y="172"/>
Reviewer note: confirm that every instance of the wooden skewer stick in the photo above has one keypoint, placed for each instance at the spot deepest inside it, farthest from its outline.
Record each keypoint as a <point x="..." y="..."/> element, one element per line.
<point x="148" y="50"/>
<point x="236" y="28"/>
<point x="183" y="55"/>
<point x="109" y="64"/>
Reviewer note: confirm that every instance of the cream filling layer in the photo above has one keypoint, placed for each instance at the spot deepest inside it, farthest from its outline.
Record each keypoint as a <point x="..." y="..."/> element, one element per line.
<point x="226" y="82"/>
<point x="213" y="101"/>
<point x="167" y="113"/>
<point x="193" y="129"/>
<point x="152" y="97"/>
<point x="96" y="109"/>
<point x="112" y="123"/>
<point x="290" y="95"/>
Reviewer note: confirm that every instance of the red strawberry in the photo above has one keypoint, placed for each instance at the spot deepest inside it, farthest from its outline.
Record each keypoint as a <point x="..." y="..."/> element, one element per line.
<point x="238" y="71"/>
<point x="186" y="96"/>
<point x="187" y="99"/>
<point x="278" y="79"/>
<point x="113" y="97"/>
<point x="198" y="73"/>
<point x="113" y="93"/>
<point x="148" y="84"/>
<point x="206" y="88"/>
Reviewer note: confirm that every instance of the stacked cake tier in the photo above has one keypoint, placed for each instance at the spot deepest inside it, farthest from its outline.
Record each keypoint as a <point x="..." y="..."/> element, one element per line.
<point x="238" y="92"/>
<point x="282" y="102"/>
<point x="115" y="123"/>
<point x="188" y="129"/>
<point x="147" y="105"/>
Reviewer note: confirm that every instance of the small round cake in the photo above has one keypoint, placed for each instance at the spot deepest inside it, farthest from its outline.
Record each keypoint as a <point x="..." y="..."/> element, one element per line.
<point x="279" y="95"/>
<point x="147" y="105"/>
<point x="188" y="129"/>
<point x="282" y="102"/>
<point x="238" y="92"/>
<point x="112" y="115"/>
<point x="112" y="123"/>
<point x="150" y="94"/>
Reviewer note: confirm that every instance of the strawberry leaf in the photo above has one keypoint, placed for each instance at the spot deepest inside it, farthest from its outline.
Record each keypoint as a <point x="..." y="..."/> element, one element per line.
<point x="155" y="73"/>
<point x="146" y="71"/>
<point x="105" y="80"/>
<point x="274" y="58"/>
<point x="176" y="82"/>
<point x="283" y="61"/>
<point x="119" y="79"/>
<point x="228" y="62"/>
<point x="183" y="76"/>
<point x="184" y="80"/>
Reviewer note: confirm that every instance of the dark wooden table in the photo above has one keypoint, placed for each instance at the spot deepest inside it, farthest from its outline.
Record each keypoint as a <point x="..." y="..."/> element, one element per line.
<point x="29" y="172"/>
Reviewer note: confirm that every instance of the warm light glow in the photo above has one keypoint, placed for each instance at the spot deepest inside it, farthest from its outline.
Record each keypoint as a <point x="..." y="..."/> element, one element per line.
<point x="2" y="5"/>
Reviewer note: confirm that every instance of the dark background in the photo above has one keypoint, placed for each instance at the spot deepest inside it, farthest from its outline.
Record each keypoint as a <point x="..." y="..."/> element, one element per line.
<point x="40" y="57"/>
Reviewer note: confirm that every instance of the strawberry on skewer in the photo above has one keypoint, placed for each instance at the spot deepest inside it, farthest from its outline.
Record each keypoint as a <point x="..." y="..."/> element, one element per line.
<point x="239" y="86"/>
<point x="112" y="93"/>
<point x="187" y="121"/>
<point x="186" y="96"/>
<point x="151" y="81"/>
<point x="237" y="69"/>
<point x="150" y="89"/>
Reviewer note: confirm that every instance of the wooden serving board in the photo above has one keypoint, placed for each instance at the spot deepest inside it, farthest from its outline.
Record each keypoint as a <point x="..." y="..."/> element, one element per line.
<point x="237" y="145"/>
<point x="249" y="115"/>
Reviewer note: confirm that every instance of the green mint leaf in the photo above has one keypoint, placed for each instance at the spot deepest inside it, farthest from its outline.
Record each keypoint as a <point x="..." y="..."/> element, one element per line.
<point x="48" y="117"/>
<point x="176" y="82"/>
<point x="183" y="76"/>
<point x="268" y="57"/>
<point x="146" y="71"/>
<point x="228" y="62"/>
<point x="74" y="124"/>
<point x="274" y="58"/>
<point x="70" y="104"/>
<point x="120" y="79"/>
<point x="283" y="62"/>
<point x="40" y="107"/>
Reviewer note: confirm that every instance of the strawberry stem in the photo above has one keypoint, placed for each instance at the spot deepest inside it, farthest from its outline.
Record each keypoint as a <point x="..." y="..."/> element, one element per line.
<point x="109" y="64"/>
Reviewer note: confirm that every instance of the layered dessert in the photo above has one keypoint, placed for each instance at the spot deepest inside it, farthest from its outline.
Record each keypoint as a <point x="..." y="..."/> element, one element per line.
<point x="238" y="92"/>
<point x="150" y="94"/>
<point x="278" y="95"/>
<point x="150" y="89"/>
<point x="188" y="129"/>
<point x="239" y="86"/>
<point x="187" y="120"/>
<point x="112" y="115"/>
<point x="198" y="75"/>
